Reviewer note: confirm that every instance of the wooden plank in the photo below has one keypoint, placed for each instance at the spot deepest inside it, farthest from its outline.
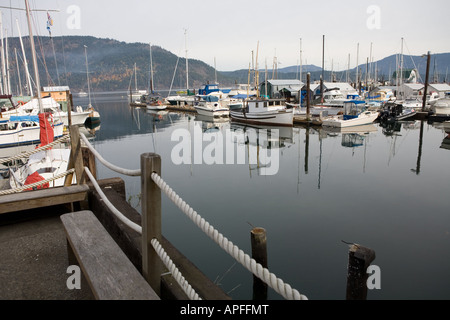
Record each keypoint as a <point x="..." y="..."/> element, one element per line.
<point x="42" y="198"/>
<point x="109" y="272"/>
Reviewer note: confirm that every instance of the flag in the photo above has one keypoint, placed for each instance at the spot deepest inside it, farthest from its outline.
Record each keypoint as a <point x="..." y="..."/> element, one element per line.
<point x="49" y="23"/>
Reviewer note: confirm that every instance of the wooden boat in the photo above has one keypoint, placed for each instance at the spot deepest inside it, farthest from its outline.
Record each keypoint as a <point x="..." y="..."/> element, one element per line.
<point x="264" y="111"/>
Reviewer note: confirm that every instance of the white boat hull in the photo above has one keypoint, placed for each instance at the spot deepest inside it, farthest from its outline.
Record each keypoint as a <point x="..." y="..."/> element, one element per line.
<point x="22" y="135"/>
<point x="276" y="117"/>
<point x="211" y="112"/>
<point x="156" y="107"/>
<point x="48" y="164"/>
<point x="338" y="121"/>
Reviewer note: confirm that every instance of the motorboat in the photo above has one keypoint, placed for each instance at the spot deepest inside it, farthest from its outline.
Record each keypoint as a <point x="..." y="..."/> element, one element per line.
<point x="392" y="111"/>
<point x="210" y="106"/>
<point x="355" y="113"/>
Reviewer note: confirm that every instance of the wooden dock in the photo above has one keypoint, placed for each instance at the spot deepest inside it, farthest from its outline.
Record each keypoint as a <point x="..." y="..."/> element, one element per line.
<point x="182" y="108"/>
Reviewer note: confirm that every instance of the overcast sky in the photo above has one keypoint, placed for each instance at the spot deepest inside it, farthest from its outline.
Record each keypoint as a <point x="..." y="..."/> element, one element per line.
<point x="225" y="33"/>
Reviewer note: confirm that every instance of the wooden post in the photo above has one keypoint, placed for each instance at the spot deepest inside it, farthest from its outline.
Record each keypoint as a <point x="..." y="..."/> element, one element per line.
<point x="152" y="266"/>
<point x="308" y="103"/>
<point x="259" y="253"/>
<point x="424" y="102"/>
<point x="359" y="259"/>
<point x="69" y="108"/>
<point x="75" y="160"/>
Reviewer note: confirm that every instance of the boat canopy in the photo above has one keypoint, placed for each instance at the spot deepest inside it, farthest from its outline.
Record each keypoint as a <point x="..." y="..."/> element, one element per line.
<point x="242" y="96"/>
<point x="211" y="98"/>
<point x="34" y="118"/>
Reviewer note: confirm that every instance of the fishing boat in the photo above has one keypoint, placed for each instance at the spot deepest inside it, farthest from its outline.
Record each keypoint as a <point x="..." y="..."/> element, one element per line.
<point x="264" y="111"/>
<point x="355" y="113"/>
<point x="210" y="106"/>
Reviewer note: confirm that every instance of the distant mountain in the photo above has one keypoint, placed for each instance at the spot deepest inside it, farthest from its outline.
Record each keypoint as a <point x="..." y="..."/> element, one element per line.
<point x="111" y="66"/>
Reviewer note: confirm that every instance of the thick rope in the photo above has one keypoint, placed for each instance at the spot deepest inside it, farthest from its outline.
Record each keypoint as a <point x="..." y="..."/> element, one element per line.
<point x="111" y="166"/>
<point x="32" y="185"/>
<point x="176" y="274"/>
<point x="108" y="203"/>
<point x="256" y="268"/>
<point x="29" y="153"/>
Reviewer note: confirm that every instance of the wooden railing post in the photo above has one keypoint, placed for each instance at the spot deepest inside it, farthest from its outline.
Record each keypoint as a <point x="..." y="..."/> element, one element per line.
<point x="259" y="253"/>
<point x="359" y="259"/>
<point x="152" y="266"/>
<point x="76" y="159"/>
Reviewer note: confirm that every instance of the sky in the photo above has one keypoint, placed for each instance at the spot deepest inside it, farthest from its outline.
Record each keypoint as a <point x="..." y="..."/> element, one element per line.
<point x="233" y="34"/>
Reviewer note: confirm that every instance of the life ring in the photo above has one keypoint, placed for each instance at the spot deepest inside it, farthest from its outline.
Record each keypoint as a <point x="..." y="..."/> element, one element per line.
<point x="159" y="102"/>
<point x="20" y="102"/>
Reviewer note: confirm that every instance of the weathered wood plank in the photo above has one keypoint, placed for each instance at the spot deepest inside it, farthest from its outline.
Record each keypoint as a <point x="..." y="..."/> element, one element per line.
<point x="42" y="198"/>
<point x="109" y="272"/>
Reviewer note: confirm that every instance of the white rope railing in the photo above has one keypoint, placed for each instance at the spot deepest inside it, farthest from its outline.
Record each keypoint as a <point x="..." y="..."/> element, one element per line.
<point x="249" y="263"/>
<point x="29" y="153"/>
<point x="108" y="203"/>
<point x="176" y="274"/>
<point x="32" y="185"/>
<point x="108" y="164"/>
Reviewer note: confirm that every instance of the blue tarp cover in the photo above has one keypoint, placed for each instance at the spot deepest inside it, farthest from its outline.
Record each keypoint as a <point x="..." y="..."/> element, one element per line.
<point x="24" y="118"/>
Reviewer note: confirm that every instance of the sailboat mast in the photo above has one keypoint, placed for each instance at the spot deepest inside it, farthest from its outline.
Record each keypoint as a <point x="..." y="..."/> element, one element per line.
<point x="87" y="75"/>
<point x="30" y="88"/>
<point x="151" y="70"/>
<point x="187" y="68"/>
<point x="33" y="52"/>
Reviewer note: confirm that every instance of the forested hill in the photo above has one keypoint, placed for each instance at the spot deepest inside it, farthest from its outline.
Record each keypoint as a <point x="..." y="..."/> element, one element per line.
<point x="111" y="63"/>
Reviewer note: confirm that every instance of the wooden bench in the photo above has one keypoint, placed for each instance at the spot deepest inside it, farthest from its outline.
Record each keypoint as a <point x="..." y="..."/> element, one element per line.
<point x="108" y="271"/>
<point x="43" y="197"/>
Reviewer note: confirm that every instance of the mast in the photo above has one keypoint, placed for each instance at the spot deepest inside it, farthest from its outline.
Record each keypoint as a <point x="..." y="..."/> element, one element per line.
<point x="87" y="75"/>
<point x="323" y="68"/>
<point x="151" y="69"/>
<point x="357" y="66"/>
<point x="33" y="52"/>
<point x="30" y="87"/>
<point x="18" y="73"/>
<point x="4" y="81"/>
<point x="301" y="65"/>
<point x="187" y="68"/>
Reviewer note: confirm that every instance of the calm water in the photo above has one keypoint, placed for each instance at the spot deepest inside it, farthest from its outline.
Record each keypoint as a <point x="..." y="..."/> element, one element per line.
<point x="385" y="188"/>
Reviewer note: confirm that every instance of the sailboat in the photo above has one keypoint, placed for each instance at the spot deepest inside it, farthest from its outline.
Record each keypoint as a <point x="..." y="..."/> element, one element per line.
<point x="136" y="93"/>
<point x="44" y="164"/>
<point x="94" y="117"/>
<point x="153" y="100"/>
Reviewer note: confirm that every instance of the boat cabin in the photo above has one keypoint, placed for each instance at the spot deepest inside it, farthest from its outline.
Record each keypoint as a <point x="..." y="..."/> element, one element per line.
<point x="353" y="108"/>
<point x="263" y="105"/>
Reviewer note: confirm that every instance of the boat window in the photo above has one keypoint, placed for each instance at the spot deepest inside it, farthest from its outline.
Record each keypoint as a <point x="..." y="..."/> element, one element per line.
<point x="46" y="170"/>
<point x="12" y="126"/>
